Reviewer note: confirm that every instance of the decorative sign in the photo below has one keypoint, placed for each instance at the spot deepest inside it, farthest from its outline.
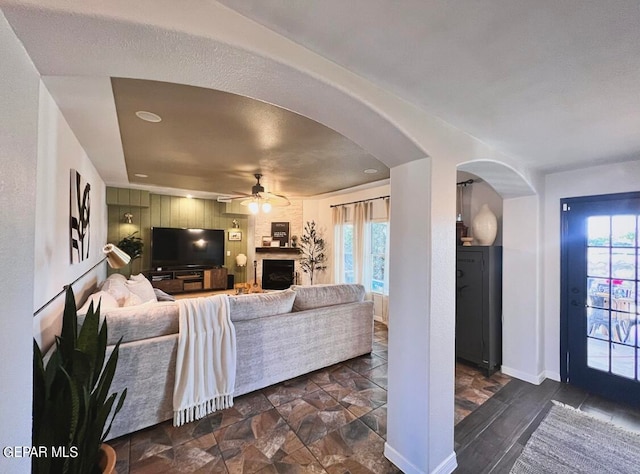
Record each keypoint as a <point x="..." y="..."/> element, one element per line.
<point x="280" y="233"/>
<point x="79" y="213"/>
<point x="235" y="235"/>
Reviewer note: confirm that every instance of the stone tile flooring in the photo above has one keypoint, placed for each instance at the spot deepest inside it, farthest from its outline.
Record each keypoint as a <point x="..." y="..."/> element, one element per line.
<point x="329" y="421"/>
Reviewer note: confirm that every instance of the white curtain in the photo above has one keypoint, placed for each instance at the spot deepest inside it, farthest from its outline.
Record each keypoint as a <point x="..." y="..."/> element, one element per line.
<point x="339" y="218"/>
<point x="362" y="215"/>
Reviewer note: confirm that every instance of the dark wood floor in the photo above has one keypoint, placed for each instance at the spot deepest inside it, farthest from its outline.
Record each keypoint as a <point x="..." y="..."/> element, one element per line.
<point x="491" y="438"/>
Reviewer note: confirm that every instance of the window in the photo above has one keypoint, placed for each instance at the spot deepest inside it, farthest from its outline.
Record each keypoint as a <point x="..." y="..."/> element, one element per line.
<point x="378" y="256"/>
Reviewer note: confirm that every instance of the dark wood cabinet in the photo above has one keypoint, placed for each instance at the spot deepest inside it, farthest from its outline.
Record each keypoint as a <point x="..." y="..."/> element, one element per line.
<point x="479" y="306"/>
<point x="183" y="280"/>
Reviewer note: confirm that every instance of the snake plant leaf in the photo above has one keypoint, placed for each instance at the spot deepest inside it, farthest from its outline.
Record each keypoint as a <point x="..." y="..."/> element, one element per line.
<point x="115" y="412"/>
<point x="87" y="335"/>
<point x="102" y="351"/>
<point x="69" y="333"/>
<point x="104" y="383"/>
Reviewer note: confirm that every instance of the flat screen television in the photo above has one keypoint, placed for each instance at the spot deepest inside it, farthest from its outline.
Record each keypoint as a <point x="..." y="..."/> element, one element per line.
<point x="173" y="247"/>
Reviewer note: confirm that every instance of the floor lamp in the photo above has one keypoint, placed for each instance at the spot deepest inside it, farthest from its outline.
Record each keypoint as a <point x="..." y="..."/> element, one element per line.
<point x="115" y="257"/>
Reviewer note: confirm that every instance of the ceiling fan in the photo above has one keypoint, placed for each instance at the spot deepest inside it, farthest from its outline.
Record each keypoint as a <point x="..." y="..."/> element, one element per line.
<point x="259" y="199"/>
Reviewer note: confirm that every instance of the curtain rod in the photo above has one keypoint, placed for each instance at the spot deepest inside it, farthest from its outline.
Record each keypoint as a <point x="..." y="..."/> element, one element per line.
<point x="362" y="200"/>
<point x="465" y="183"/>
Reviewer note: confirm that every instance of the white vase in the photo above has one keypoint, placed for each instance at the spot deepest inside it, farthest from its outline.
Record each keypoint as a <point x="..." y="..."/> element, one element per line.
<point x="485" y="226"/>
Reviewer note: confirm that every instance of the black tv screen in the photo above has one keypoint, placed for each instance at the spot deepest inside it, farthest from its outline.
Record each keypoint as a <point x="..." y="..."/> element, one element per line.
<point x="172" y="247"/>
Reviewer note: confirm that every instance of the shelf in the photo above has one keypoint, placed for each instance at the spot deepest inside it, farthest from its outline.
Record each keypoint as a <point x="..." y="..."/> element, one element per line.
<point x="277" y="250"/>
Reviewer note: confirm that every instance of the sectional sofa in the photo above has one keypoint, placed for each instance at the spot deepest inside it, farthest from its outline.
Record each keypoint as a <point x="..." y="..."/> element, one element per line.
<point x="279" y="335"/>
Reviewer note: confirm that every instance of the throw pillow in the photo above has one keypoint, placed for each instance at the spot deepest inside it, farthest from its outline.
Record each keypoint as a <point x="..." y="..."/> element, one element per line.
<point x="133" y="300"/>
<point x="115" y="277"/>
<point x="106" y="302"/>
<point x="244" y="307"/>
<point x="143" y="289"/>
<point x="162" y="296"/>
<point x="138" y="277"/>
<point x="116" y="288"/>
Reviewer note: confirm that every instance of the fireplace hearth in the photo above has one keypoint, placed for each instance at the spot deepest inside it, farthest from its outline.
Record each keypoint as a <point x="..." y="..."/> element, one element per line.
<point x="277" y="274"/>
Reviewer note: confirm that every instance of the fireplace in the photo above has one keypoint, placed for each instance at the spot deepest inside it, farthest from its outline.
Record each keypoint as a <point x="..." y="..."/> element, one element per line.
<point x="277" y="274"/>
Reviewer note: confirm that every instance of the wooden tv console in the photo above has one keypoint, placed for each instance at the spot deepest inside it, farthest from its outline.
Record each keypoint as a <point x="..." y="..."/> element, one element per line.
<point x="188" y="279"/>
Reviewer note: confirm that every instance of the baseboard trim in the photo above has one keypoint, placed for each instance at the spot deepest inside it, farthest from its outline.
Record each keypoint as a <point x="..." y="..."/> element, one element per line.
<point x="445" y="467"/>
<point x="550" y="374"/>
<point x="534" y="379"/>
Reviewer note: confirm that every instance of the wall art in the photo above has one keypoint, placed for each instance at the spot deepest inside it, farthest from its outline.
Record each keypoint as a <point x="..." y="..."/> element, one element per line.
<point x="79" y="217"/>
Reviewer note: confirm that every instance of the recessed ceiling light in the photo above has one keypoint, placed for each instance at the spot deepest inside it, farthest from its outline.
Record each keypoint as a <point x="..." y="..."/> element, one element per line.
<point x="371" y="171"/>
<point x="148" y="116"/>
<point x="140" y="175"/>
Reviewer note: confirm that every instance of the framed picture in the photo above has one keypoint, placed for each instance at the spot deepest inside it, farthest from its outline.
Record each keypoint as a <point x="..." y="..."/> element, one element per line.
<point x="280" y="232"/>
<point x="266" y="241"/>
<point x="235" y="235"/>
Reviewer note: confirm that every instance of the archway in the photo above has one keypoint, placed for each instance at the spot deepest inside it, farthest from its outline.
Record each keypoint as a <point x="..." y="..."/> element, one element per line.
<point x="217" y="48"/>
<point x="521" y="223"/>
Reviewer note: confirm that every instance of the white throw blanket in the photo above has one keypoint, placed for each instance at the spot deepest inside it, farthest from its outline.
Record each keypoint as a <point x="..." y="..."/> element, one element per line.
<point x="206" y="360"/>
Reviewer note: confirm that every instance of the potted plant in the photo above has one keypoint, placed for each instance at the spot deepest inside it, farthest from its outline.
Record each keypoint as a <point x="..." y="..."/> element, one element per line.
<point x="312" y="247"/>
<point x="71" y="400"/>
<point x="132" y="246"/>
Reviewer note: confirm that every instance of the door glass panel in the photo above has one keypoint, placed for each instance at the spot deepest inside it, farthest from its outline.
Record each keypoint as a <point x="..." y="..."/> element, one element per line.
<point x="598" y="354"/>
<point x="623" y="360"/>
<point x="623" y="263"/>
<point x="598" y="323"/>
<point x="623" y="231"/>
<point x="598" y="262"/>
<point x="598" y="231"/>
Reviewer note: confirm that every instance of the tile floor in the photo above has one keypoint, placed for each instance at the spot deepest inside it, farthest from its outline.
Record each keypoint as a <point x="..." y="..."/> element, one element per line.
<point x="330" y="421"/>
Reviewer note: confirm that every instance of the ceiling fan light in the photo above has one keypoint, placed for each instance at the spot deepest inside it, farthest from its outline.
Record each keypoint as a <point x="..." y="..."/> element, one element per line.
<point x="266" y="206"/>
<point x="254" y="207"/>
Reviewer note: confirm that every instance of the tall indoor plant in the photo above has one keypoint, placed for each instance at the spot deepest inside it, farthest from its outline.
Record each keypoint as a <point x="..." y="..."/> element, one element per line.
<point x="71" y="400"/>
<point x="132" y="245"/>
<point x="312" y="247"/>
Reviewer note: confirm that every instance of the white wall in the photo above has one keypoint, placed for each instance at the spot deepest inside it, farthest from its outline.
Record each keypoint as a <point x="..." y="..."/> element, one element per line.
<point x="19" y="82"/>
<point x="422" y="317"/>
<point x="521" y="319"/>
<point x="59" y="152"/>
<point x="606" y="179"/>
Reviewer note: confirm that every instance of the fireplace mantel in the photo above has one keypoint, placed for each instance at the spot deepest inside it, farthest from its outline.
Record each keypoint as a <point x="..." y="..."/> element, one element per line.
<point x="277" y="250"/>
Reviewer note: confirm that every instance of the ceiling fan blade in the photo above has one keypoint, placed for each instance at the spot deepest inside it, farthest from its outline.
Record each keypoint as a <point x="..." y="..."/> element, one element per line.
<point x="276" y="199"/>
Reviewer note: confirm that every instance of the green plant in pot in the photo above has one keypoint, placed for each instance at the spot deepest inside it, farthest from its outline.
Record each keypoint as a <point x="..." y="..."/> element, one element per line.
<point x="71" y="400"/>
<point x="132" y="246"/>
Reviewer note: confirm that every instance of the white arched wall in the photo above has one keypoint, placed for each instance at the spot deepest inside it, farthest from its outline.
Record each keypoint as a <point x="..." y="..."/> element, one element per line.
<point x="207" y="45"/>
<point x="522" y="322"/>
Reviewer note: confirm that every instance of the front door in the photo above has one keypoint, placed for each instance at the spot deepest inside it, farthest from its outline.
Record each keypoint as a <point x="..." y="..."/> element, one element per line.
<point x="600" y="294"/>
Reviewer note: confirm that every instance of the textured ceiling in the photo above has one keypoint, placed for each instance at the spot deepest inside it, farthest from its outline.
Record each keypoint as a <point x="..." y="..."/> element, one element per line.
<point x="552" y="84"/>
<point x="214" y="141"/>
<point x="537" y="86"/>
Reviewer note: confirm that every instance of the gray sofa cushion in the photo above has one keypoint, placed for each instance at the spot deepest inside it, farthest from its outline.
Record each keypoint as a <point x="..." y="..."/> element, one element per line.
<point x="317" y="296"/>
<point x="245" y="307"/>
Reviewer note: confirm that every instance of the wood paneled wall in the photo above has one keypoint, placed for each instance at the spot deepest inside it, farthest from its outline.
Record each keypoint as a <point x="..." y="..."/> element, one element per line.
<point x="156" y="210"/>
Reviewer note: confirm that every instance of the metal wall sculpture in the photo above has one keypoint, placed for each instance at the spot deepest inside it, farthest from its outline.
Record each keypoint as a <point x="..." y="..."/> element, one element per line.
<point x="80" y="209"/>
